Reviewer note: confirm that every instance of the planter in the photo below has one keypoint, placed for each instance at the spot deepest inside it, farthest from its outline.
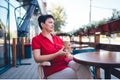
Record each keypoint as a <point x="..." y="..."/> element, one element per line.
<point x="92" y="31"/>
<point x="115" y="26"/>
<point x="85" y="33"/>
<point x="98" y="29"/>
<point x="104" y="29"/>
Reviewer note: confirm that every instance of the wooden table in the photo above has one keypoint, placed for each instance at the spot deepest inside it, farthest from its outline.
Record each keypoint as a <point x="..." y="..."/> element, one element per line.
<point x="104" y="59"/>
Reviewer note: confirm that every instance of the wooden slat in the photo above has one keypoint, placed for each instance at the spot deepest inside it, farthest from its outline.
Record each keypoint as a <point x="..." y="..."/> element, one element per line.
<point x="14" y="52"/>
<point x="23" y="54"/>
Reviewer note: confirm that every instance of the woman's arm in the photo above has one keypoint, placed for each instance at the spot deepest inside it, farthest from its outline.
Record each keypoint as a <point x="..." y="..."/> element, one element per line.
<point x="41" y="58"/>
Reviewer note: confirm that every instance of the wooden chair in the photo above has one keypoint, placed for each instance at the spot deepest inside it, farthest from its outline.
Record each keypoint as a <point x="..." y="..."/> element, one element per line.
<point x="40" y="69"/>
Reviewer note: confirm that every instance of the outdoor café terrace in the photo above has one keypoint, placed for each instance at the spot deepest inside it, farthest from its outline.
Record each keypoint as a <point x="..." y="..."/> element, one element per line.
<point x="28" y="69"/>
<point x="102" y="57"/>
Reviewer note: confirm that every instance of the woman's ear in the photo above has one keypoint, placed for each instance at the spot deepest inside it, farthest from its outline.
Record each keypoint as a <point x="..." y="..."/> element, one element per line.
<point x="42" y="24"/>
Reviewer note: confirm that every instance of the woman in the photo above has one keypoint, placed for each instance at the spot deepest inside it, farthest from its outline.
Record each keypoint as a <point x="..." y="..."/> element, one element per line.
<point x="48" y="47"/>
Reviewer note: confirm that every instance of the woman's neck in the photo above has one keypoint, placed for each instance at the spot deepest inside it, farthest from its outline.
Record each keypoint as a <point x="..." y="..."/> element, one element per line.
<point x="47" y="35"/>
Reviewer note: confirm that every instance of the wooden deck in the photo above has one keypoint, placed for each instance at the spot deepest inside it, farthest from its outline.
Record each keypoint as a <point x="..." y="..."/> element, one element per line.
<point x="28" y="71"/>
<point x="22" y="71"/>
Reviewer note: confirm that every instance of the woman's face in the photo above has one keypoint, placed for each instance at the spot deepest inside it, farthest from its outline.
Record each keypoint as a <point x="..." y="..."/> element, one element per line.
<point x="48" y="25"/>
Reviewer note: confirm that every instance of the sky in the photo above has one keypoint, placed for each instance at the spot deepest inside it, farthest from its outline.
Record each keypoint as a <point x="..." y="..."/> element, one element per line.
<point x="77" y="11"/>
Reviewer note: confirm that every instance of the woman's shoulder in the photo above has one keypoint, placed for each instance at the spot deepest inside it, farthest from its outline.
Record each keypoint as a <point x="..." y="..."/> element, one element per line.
<point x="36" y="37"/>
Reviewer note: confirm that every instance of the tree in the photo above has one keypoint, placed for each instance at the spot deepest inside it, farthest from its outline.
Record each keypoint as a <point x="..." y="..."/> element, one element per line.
<point x="60" y="17"/>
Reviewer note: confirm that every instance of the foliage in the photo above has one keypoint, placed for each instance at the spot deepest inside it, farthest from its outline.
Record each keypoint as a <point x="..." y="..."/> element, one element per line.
<point x="60" y="17"/>
<point x="104" y="21"/>
<point x="115" y="15"/>
<point x="92" y="25"/>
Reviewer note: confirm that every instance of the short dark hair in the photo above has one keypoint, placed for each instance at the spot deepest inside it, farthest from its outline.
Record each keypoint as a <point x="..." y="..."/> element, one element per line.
<point x="43" y="18"/>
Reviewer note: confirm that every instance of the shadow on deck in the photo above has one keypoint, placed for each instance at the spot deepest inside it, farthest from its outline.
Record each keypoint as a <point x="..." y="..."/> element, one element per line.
<point x="22" y="71"/>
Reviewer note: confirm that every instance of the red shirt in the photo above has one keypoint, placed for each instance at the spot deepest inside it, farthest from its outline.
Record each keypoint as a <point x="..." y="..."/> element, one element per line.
<point x="47" y="47"/>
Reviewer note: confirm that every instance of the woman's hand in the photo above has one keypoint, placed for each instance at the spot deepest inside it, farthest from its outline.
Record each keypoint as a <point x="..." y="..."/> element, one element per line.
<point x="61" y="52"/>
<point x="68" y="54"/>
